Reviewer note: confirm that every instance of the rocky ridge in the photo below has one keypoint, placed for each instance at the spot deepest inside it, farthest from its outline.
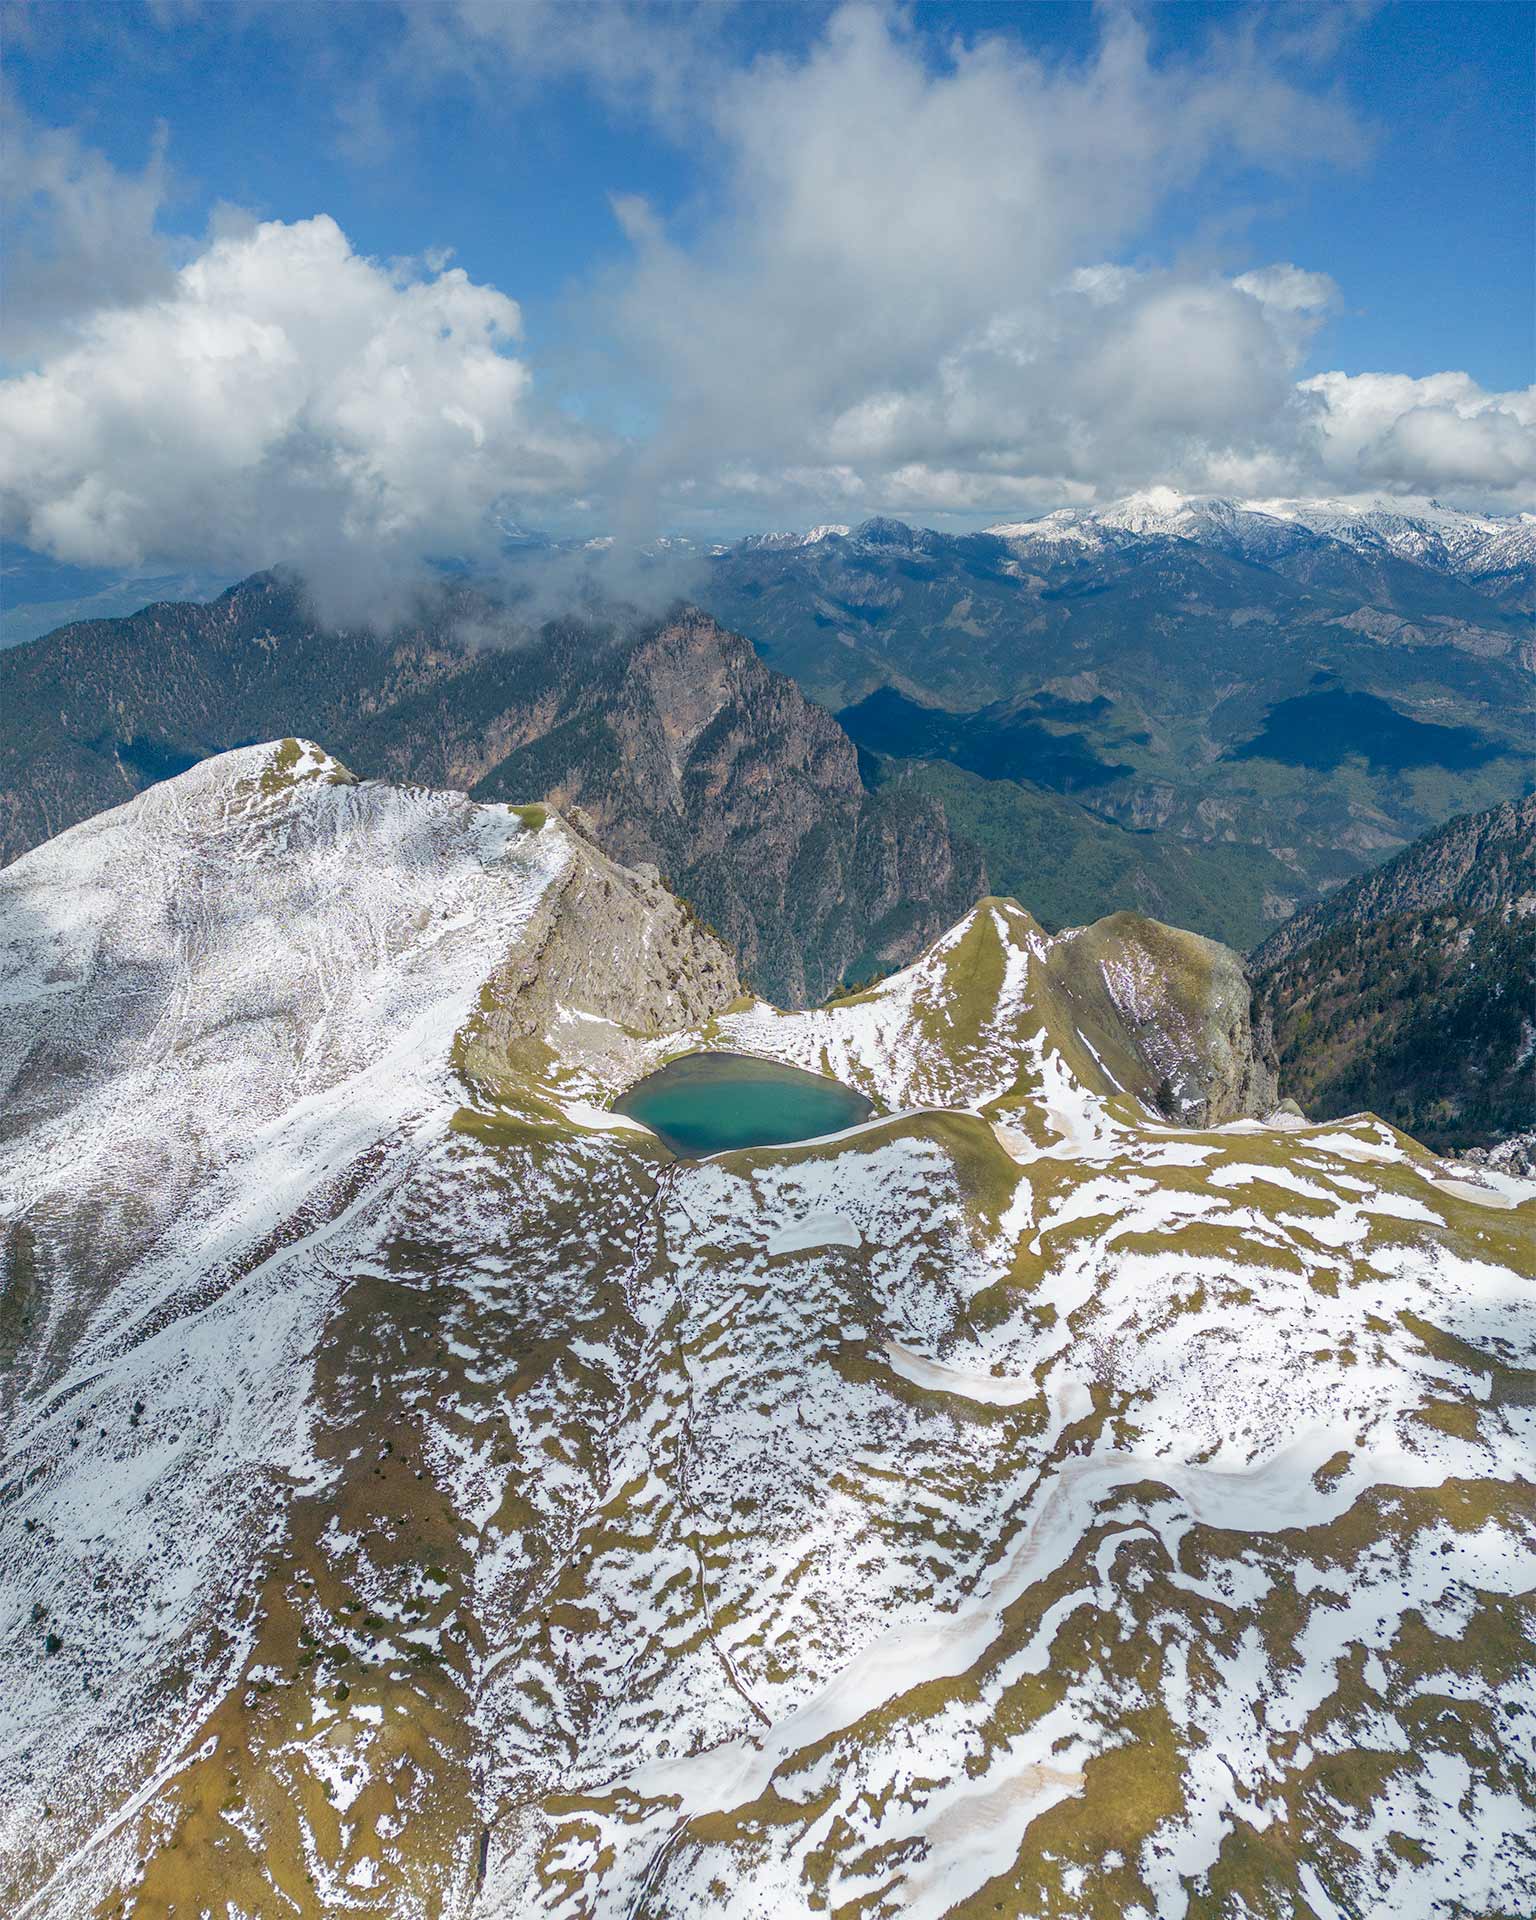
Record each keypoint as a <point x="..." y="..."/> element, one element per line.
<point x="1413" y="989"/>
<point x="1481" y="862"/>
<point x="682" y="751"/>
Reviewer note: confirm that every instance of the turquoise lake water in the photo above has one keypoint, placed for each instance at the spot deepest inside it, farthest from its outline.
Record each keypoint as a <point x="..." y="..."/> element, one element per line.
<point x="707" y="1102"/>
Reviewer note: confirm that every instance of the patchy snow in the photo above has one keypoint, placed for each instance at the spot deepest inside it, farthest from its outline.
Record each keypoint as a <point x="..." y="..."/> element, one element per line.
<point x="969" y="1384"/>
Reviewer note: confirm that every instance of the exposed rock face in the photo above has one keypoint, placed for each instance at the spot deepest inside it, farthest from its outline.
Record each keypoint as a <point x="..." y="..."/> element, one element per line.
<point x="679" y="746"/>
<point x="684" y="751"/>
<point x="609" y="940"/>
<point x="1188" y="1004"/>
<point x="748" y="799"/>
<point x="1516" y="1155"/>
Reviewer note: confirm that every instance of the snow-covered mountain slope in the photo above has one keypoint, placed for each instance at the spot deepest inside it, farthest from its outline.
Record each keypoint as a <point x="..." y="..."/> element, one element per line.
<point x="1471" y="544"/>
<point x="1474" y="546"/>
<point x="437" y="1502"/>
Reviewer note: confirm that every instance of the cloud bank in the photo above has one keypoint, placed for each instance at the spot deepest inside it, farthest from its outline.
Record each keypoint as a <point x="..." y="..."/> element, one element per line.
<point x="285" y="401"/>
<point x="917" y="285"/>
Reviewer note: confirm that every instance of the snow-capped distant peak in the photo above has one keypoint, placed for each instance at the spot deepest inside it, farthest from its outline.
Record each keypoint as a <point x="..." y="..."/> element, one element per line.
<point x="1065" y="525"/>
<point x="1153" y="507"/>
<point x="788" y="542"/>
<point x="1425" y="532"/>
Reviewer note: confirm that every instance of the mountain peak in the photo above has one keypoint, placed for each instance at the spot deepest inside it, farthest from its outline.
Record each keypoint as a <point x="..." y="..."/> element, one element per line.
<point x="416" y="1478"/>
<point x="784" y="542"/>
<point x="882" y="531"/>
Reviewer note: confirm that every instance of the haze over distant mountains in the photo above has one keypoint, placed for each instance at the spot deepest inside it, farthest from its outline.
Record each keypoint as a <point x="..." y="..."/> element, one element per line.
<point x="42" y="594"/>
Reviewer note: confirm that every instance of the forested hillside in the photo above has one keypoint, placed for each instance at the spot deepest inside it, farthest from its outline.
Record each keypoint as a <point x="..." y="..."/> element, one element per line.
<point x="1412" y="992"/>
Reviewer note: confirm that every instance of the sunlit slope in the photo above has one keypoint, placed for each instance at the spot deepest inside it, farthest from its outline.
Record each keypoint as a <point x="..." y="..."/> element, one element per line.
<point x="1026" y="1503"/>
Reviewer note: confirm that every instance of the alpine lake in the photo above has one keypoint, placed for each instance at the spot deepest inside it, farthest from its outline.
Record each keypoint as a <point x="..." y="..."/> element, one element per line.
<point x="703" y="1103"/>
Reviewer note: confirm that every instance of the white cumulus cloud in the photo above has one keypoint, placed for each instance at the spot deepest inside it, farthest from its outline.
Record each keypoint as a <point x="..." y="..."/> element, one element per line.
<point x="913" y="276"/>
<point x="1289" y="288"/>
<point x="285" y="400"/>
<point x="916" y="281"/>
<point x="1442" y="434"/>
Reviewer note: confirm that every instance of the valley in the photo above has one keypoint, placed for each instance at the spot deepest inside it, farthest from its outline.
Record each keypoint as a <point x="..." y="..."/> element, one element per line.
<point x="1271" y="698"/>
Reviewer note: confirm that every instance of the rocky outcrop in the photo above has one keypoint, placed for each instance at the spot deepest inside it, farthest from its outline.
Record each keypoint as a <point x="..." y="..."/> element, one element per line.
<point x="1151" y="1020"/>
<point x="686" y="752"/>
<point x="607" y="947"/>
<point x="1186" y="1006"/>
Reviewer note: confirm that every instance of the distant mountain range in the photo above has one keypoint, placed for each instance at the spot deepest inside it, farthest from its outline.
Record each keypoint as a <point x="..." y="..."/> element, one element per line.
<point x="1412" y="991"/>
<point x="41" y="595"/>
<point x="1474" y="546"/>
<point x="1295" y="692"/>
<point x="38" y="595"/>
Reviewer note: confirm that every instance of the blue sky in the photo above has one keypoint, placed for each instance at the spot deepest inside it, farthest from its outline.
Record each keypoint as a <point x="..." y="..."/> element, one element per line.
<point x="1430" y="238"/>
<point x="764" y="335"/>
